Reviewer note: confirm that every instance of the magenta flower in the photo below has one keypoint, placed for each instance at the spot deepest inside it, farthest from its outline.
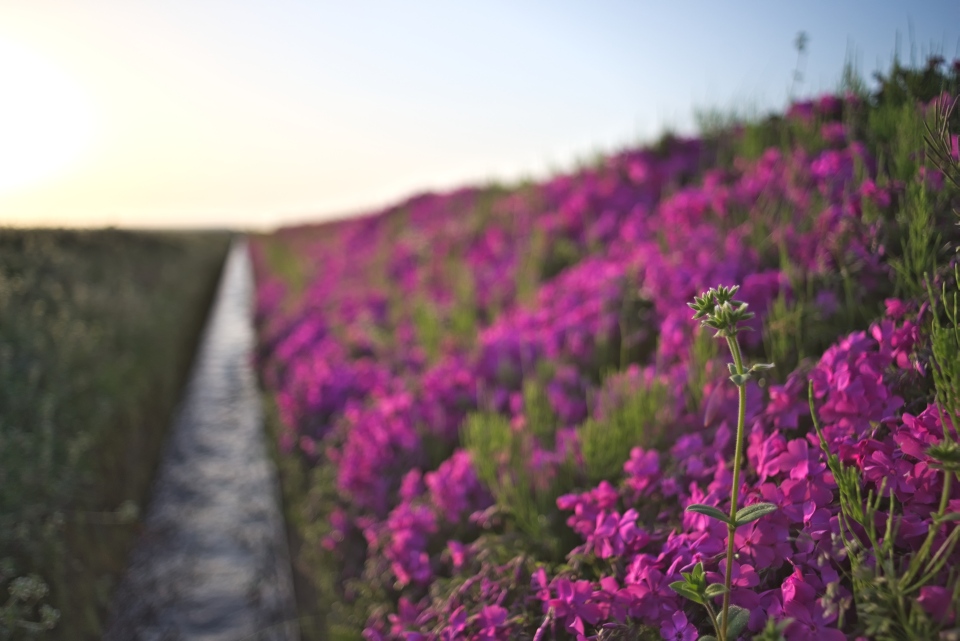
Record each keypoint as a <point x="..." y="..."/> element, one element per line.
<point x="936" y="601"/>
<point x="810" y="623"/>
<point x="456" y="625"/>
<point x="744" y="576"/>
<point x="458" y="554"/>
<point x="613" y="535"/>
<point x="575" y="606"/>
<point x="492" y="618"/>
<point x="677" y="628"/>
<point x="642" y="469"/>
<point x="834" y="133"/>
<point x="356" y="390"/>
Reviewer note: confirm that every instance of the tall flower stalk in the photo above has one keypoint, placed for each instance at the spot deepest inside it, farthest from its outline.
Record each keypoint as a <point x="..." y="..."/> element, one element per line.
<point x="716" y="309"/>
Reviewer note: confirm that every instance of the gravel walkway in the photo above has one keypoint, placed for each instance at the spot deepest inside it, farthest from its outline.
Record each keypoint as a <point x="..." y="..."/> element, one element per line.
<point x="212" y="563"/>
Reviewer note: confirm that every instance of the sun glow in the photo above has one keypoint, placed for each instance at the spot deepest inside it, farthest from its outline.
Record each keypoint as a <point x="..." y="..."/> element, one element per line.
<point x="46" y="118"/>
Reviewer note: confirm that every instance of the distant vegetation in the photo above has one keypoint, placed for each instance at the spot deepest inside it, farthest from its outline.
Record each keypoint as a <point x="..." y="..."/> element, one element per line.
<point x="492" y="406"/>
<point x="97" y="332"/>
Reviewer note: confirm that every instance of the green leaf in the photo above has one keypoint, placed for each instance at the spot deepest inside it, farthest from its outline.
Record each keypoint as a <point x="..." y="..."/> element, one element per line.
<point x="739" y="618"/>
<point x="949" y="516"/>
<point x="708" y="510"/>
<point x="740" y="379"/>
<point x="714" y="589"/>
<point x="753" y="512"/>
<point x="698" y="572"/>
<point x="762" y="366"/>
<point x="707" y="637"/>
<point x="684" y="590"/>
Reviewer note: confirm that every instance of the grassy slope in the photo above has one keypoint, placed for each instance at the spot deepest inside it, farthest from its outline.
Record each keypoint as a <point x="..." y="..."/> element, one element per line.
<point x="894" y="134"/>
<point x="97" y="333"/>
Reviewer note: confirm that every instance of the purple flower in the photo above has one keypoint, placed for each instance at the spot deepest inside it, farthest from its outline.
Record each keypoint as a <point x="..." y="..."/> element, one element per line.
<point x="455" y="489"/>
<point x="743" y="575"/>
<point x="766" y="541"/>
<point x="491" y="619"/>
<point x="456" y="625"/>
<point x="614" y="535"/>
<point x="810" y="623"/>
<point x="458" y="554"/>
<point x="677" y="628"/>
<point x="642" y="469"/>
<point x="936" y="601"/>
<point x="574" y="606"/>
<point x="834" y="133"/>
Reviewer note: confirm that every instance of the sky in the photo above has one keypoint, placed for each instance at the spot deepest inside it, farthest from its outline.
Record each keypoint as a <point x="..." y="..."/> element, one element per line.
<point x="212" y="113"/>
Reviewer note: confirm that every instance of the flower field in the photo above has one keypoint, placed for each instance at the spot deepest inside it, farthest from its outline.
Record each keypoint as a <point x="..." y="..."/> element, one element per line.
<point x="492" y="406"/>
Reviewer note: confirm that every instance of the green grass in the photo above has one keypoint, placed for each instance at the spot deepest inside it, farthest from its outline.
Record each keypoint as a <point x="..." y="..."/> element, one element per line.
<point x="97" y="333"/>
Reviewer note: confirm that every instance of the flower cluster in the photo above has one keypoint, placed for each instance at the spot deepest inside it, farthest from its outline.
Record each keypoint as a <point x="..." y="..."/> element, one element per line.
<point x="402" y="324"/>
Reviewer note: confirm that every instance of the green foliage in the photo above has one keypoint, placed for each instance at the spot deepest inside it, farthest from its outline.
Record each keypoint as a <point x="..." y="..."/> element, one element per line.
<point x="97" y="332"/>
<point x="851" y="82"/>
<point x="773" y="630"/>
<point x="920" y="244"/>
<point x="285" y="264"/>
<point x="463" y="320"/>
<point x="640" y="420"/>
<point x="703" y="353"/>
<point x="532" y="267"/>
<point x="694" y="585"/>
<point x="945" y="347"/>
<point x="940" y="137"/>
<point x="907" y="85"/>
<point x="895" y="131"/>
<point x="636" y="341"/>
<point x="784" y="332"/>
<point x="694" y="588"/>
<point x="25" y="611"/>
<point x="560" y="254"/>
<point x="757" y="137"/>
<point x="717" y="309"/>
<point x="797" y="327"/>
<point x="886" y="581"/>
<point x="502" y="457"/>
<point x="541" y="419"/>
<point x="330" y="607"/>
<point x="754" y="512"/>
<point x="429" y="326"/>
<point x="714" y="122"/>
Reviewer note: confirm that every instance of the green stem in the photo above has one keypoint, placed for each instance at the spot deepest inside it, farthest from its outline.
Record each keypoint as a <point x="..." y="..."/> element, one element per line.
<point x="924" y="551"/>
<point x="735" y="490"/>
<point x="713" y="619"/>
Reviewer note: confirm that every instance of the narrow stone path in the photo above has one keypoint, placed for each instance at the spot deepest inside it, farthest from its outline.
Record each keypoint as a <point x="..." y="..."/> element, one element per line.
<point x="211" y="563"/>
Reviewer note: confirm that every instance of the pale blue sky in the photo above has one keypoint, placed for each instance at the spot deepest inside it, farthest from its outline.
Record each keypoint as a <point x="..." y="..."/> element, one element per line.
<point x="213" y="112"/>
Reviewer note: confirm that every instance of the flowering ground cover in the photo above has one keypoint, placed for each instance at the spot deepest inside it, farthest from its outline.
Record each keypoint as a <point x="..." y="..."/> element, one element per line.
<point x="492" y="406"/>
